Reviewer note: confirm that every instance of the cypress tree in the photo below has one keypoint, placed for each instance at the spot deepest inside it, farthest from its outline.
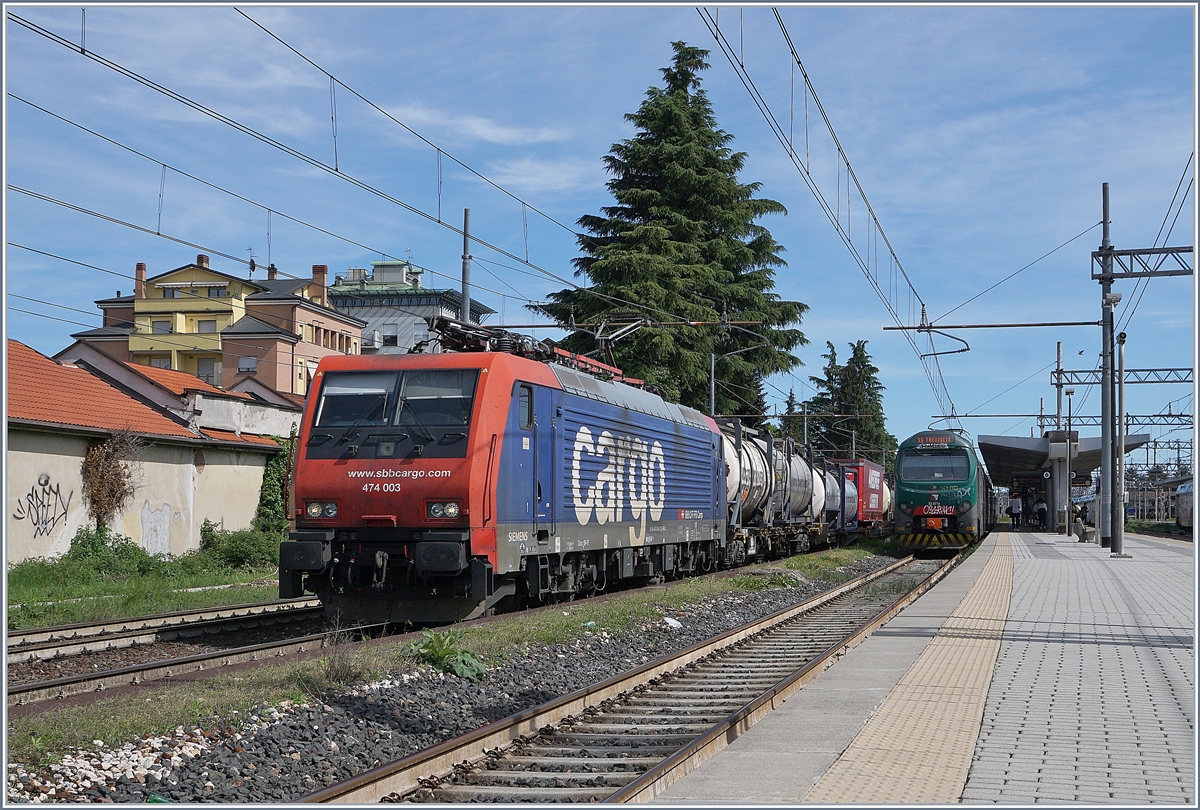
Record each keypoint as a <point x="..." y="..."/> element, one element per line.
<point x="682" y="241"/>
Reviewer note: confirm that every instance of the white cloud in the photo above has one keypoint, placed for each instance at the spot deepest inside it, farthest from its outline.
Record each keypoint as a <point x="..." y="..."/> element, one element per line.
<point x="534" y="175"/>
<point x="472" y="128"/>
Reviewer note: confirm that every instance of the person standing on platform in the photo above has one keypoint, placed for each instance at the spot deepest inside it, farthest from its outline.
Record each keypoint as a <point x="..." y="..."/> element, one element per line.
<point x="1015" y="506"/>
<point x="1039" y="509"/>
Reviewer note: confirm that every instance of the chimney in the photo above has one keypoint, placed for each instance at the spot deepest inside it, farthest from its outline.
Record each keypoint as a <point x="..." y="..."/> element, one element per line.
<point x="202" y="259"/>
<point x="320" y="271"/>
<point x="139" y="281"/>
<point x="272" y="273"/>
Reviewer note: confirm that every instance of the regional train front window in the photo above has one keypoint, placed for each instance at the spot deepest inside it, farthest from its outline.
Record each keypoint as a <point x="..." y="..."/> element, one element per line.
<point x="349" y="398"/>
<point x="951" y="465"/>
<point x="436" y="398"/>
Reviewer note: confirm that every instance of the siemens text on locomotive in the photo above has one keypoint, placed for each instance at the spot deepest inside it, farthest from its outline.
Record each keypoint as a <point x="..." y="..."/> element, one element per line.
<point x="435" y="487"/>
<point x="944" y="498"/>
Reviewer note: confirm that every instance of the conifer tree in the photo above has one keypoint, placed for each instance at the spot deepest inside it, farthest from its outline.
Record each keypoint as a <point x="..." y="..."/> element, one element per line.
<point x="681" y="242"/>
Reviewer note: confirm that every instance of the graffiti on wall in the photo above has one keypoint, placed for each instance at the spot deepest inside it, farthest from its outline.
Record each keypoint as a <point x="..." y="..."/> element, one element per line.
<point x="44" y="506"/>
<point x="156" y="528"/>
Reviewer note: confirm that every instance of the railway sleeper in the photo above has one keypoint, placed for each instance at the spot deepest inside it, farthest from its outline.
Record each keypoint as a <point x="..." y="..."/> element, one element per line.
<point x="619" y="753"/>
<point x="574" y="762"/>
<point x="498" y="794"/>
<point x="594" y="739"/>
<point x="669" y="726"/>
<point x="549" y="778"/>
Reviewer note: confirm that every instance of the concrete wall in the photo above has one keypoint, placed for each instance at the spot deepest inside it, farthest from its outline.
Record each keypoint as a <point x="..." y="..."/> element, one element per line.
<point x="179" y="487"/>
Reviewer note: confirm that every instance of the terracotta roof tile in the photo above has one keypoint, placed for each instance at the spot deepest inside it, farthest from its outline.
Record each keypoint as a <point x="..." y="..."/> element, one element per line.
<point x="248" y="438"/>
<point x="179" y="381"/>
<point x="42" y="390"/>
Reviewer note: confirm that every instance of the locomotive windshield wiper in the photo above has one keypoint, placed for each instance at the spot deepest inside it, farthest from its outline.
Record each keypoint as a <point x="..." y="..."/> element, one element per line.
<point x="417" y="421"/>
<point x="352" y="431"/>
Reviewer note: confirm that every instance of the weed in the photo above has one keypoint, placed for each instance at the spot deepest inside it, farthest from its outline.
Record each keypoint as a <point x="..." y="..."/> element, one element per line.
<point x="441" y="650"/>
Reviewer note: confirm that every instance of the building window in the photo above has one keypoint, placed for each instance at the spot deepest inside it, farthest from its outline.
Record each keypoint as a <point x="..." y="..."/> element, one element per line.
<point x="391" y="334"/>
<point x="160" y="327"/>
<point x="206" y="369"/>
<point x="170" y="292"/>
<point x="247" y="365"/>
<point x="160" y="362"/>
<point x="207" y="327"/>
<point x="218" y="292"/>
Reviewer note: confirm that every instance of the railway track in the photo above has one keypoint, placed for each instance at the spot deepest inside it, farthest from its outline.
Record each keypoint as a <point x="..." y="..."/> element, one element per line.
<point x="75" y="639"/>
<point x="627" y="738"/>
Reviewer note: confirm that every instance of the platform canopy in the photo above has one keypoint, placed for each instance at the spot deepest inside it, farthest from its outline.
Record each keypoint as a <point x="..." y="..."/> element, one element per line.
<point x="1019" y="461"/>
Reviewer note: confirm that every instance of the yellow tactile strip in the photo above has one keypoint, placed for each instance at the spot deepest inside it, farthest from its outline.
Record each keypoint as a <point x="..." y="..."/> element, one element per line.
<point x="917" y="747"/>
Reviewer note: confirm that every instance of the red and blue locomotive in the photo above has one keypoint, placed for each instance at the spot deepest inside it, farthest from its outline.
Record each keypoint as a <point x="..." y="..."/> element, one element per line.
<point x="435" y="487"/>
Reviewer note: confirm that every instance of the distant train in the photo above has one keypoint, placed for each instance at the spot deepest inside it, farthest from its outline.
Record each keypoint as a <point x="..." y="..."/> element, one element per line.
<point x="1184" y="506"/>
<point x="437" y="487"/>
<point x="944" y="497"/>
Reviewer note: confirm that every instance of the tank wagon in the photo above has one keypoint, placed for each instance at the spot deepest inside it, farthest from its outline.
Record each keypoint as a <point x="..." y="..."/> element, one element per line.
<point x="944" y="497"/>
<point x="436" y="487"/>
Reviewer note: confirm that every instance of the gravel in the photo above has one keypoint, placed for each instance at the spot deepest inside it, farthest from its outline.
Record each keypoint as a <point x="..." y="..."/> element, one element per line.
<point x="281" y="753"/>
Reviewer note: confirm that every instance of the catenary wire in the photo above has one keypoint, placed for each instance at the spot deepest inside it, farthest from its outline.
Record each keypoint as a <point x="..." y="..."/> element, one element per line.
<point x="313" y="162"/>
<point x="234" y="194"/>
<point x="937" y="385"/>
<point x="407" y="128"/>
<point x="1014" y="274"/>
<point x="291" y="151"/>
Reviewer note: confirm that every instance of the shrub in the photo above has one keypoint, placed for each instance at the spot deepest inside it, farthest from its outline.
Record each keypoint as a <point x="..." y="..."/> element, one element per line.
<point x="105" y="552"/>
<point x="244" y="548"/>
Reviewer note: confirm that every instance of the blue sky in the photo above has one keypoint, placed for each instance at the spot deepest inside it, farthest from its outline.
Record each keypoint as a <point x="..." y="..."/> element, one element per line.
<point x="981" y="136"/>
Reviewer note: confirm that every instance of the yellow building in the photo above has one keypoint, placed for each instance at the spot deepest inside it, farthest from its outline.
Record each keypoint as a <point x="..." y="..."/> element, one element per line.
<point x="223" y="328"/>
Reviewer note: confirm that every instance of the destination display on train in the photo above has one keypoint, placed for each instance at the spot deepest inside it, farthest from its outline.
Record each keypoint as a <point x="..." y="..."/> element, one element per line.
<point x="935" y="439"/>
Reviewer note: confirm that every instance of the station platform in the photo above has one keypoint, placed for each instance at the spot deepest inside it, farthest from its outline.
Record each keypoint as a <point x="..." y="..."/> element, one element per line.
<point x="1041" y="670"/>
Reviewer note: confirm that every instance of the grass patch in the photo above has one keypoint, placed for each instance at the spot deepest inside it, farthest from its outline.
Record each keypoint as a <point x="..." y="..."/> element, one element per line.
<point x="41" y="739"/>
<point x="108" y="576"/>
<point x="823" y="565"/>
<point x="1161" y="529"/>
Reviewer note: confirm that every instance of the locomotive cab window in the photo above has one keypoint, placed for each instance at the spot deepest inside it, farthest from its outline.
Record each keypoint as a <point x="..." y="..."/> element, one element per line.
<point x="348" y="398"/>
<point x="441" y="397"/>
<point x="525" y="407"/>
<point x="942" y="465"/>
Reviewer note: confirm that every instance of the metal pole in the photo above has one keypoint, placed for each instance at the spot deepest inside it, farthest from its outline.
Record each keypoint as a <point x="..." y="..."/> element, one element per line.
<point x="712" y="384"/>
<point x="854" y="444"/>
<point x="1118" y="537"/>
<point x="466" y="269"/>
<point x="1058" y="384"/>
<point x="806" y="423"/>
<point x="1106" y="427"/>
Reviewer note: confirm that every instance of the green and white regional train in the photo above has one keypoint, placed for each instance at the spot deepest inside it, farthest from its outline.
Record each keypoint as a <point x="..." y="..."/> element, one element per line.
<point x="944" y="497"/>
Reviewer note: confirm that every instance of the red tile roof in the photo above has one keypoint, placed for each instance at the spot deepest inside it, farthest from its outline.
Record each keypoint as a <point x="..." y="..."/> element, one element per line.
<point x="42" y="390"/>
<point x="248" y="438"/>
<point x="179" y="381"/>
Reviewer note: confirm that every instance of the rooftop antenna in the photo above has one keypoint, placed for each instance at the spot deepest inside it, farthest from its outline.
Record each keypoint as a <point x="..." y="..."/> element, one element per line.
<point x="250" y="250"/>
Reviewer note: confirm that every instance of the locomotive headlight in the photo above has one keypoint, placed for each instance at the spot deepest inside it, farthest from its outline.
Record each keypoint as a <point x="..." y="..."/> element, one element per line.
<point x="443" y="509"/>
<point x="905" y="507"/>
<point x="321" y="509"/>
<point x="964" y="507"/>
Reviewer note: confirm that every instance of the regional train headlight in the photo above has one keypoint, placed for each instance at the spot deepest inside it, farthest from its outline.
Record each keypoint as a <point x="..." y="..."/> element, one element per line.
<point x="443" y="509"/>
<point x="964" y="507"/>
<point x="906" y="508"/>
<point x="321" y="509"/>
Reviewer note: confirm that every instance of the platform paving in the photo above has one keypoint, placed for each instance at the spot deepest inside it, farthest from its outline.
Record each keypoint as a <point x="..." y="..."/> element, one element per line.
<point x="1085" y="696"/>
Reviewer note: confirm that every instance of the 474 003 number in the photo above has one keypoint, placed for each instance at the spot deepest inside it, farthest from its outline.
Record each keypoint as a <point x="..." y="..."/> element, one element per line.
<point x="373" y="487"/>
